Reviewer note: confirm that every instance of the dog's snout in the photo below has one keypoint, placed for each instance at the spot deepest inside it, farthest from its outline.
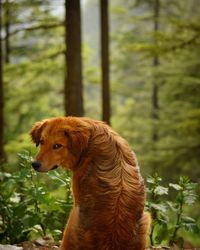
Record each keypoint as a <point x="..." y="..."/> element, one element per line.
<point x="36" y="165"/>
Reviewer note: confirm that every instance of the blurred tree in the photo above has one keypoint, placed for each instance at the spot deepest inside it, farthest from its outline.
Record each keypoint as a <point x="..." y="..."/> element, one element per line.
<point x="155" y="101"/>
<point x="105" y="60"/>
<point x="73" y="79"/>
<point x="2" y="152"/>
<point x="35" y="65"/>
<point x="179" y="145"/>
<point x="7" y="31"/>
<point x="174" y="47"/>
<point x="33" y="79"/>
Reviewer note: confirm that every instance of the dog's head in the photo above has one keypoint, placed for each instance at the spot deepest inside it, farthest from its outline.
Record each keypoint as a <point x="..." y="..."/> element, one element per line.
<point x="61" y="140"/>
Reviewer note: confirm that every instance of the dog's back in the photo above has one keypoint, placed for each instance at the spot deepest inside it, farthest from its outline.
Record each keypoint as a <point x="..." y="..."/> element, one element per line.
<point x="110" y="196"/>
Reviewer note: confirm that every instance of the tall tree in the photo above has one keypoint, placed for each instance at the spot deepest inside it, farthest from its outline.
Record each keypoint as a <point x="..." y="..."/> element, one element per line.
<point x="36" y="64"/>
<point x="155" y="87"/>
<point x="2" y="152"/>
<point x="105" y="60"/>
<point x="155" y="105"/>
<point x="7" y="31"/>
<point x="73" y="80"/>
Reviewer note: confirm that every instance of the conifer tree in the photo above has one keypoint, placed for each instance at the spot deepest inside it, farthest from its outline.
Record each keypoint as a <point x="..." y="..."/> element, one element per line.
<point x="2" y="152"/>
<point x="73" y="81"/>
<point x="104" y="10"/>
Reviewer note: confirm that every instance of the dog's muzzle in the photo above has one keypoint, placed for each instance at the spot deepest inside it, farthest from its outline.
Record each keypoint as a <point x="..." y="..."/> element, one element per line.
<point x="54" y="167"/>
<point x="37" y="165"/>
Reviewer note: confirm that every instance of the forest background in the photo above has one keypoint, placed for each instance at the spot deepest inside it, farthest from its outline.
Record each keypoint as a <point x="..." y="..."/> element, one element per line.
<point x="149" y="91"/>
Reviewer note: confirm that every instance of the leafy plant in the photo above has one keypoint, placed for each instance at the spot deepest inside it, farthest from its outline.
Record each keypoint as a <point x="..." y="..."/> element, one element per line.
<point x="186" y="195"/>
<point x="169" y="216"/>
<point x="157" y="208"/>
<point x="27" y="209"/>
<point x="26" y="206"/>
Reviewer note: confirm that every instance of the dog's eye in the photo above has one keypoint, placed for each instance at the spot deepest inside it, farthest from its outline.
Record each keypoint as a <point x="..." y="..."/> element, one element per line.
<point x="57" y="146"/>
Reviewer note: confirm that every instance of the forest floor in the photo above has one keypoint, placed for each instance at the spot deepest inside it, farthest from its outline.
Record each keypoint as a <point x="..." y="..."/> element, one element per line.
<point x="47" y="243"/>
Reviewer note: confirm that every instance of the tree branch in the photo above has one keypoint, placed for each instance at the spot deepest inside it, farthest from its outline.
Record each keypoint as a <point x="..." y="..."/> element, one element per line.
<point x="37" y="27"/>
<point x="186" y="43"/>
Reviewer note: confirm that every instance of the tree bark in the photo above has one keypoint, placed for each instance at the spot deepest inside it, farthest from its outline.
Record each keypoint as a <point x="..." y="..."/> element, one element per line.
<point x="105" y="60"/>
<point x="155" y="103"/>
<point x="2" y="152"/>
<point x="73" y="78"/>
<point x="7" y="32"/>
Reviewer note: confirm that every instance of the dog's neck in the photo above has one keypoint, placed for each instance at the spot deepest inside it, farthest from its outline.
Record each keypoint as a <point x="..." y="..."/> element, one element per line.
<point x="101" y="173"/>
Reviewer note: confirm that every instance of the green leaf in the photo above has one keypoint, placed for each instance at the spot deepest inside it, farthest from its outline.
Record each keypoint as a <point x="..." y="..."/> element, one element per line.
<point x="159" y="190"/>
<point x="162" y="234"/>
<point x="54" y="175"/>
<point x="155" y="179"/>
<point x="188" y="219"/>
<point x="172" y="206"/>
<point x="190" y="199"/>
<point x="175" y="186"/>
<point x="159" y="207"/>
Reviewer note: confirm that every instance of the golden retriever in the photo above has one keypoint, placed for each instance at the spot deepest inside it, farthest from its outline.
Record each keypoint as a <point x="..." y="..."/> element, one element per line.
<point x="109" y="193"/>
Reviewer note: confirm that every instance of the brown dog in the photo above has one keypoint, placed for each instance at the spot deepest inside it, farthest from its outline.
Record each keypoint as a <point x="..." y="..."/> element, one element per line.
<point x="109" y="193"/>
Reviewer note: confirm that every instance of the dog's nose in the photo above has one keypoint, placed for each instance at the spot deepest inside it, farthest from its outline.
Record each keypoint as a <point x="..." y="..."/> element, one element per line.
<point x="36" y="165"/>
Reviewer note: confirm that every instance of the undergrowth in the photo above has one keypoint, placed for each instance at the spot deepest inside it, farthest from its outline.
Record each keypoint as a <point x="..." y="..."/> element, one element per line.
<point x="28" y="208"/>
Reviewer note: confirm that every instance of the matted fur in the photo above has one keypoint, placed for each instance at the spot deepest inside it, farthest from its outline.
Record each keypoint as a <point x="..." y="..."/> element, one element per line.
<point x="109" y="193"/>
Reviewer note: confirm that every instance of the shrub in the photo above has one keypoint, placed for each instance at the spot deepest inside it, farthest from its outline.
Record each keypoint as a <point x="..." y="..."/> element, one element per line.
<point x="26" y="206"/>
<point x="169" y="216"/>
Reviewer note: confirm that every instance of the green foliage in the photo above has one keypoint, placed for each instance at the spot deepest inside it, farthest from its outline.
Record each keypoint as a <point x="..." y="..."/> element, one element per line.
<point x="26" y="206"/>
<point x="34" y="74"/>
<point x="157" y="208"/>
<point x="34" y="77"/>
<point x="186" y="195"/>
<point x="27" y="209"/>
<point x="175" y="45"/>
<point x="169" y="216"/>
<point x="33" y="82"/>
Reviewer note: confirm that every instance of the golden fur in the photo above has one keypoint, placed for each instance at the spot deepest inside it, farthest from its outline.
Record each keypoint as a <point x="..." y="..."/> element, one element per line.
<point x="109" y="193"/>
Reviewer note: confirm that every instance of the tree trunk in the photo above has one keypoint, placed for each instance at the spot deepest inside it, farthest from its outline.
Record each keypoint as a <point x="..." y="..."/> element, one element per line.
<point x="7" y="32"/>
<point x="73" y="79"/>
<point x="2" y="152"/>
<point x="155" y="104"/>
<point x="105" y="60"/>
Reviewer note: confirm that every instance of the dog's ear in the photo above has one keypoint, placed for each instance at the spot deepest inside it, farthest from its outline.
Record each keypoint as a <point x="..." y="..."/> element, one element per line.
<point x="36" y="132"/>
<point x="77" y="139"/>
